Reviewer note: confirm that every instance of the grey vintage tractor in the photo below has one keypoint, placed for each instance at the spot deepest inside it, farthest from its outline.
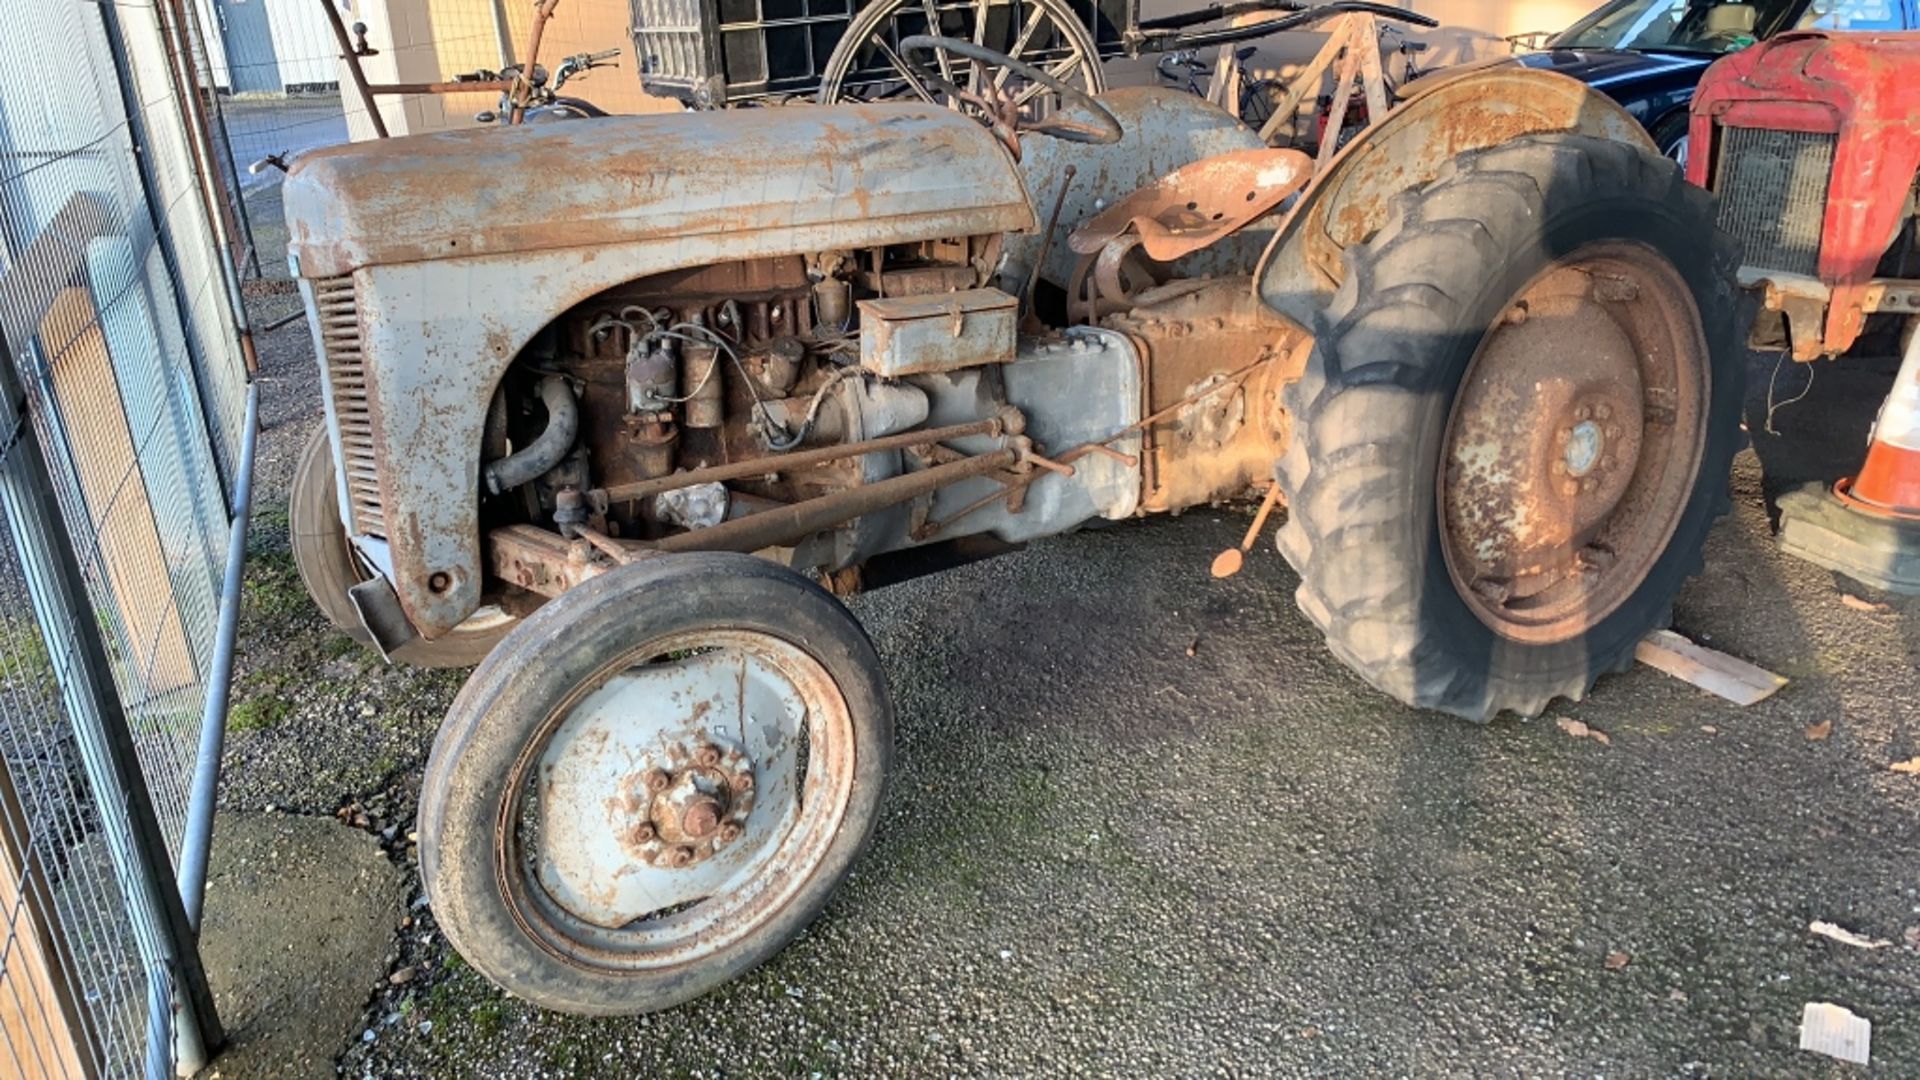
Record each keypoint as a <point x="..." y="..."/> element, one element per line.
<point x="619" y="407"/>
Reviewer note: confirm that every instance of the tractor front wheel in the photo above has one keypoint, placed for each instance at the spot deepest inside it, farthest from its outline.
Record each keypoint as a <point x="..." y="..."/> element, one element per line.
<point x="328" y="567"/>
<point x="654" y="783"/>
<point x="1515" y="432"/>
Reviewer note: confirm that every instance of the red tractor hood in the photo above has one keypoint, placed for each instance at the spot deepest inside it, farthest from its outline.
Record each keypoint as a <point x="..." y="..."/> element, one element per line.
<point x="1856" y="92"/>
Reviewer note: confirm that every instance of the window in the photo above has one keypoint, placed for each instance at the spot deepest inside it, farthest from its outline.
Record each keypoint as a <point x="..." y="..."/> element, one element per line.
<point x="1854" y="15"/>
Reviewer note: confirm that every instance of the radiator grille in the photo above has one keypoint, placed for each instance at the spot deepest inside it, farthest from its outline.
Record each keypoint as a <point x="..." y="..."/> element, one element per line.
<point x="337" y="315"/>
<point x="1773" y="195"/>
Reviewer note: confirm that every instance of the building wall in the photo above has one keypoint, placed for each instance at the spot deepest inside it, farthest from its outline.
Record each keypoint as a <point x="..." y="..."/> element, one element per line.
<point x="430" y="40"/>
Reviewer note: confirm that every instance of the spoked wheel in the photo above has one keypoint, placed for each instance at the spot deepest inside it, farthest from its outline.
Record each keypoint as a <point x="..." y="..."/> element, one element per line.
<point x="869" y="63"/>
<point x="328" y="568"/>
<point x="654" y="783"/>
<point x="1259" y="100"/>
<point x="1514" y="434"/>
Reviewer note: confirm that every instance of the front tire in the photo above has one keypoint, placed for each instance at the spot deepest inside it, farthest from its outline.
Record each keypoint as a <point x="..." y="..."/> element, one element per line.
<point x="654" y="783"/>
<point x="328" y="568"/>
<point x="1516" y="427"/>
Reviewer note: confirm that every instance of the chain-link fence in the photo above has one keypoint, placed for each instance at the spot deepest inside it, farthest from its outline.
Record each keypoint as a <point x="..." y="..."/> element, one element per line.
<point x="124" y="449"/>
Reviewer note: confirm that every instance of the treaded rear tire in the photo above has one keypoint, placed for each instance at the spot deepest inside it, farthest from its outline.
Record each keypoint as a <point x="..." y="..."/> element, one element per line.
<point x="1371" y="411"/>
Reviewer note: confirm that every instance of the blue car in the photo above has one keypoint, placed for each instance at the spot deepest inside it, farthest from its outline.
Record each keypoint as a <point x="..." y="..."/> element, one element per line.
<point x="1649" y="54"/>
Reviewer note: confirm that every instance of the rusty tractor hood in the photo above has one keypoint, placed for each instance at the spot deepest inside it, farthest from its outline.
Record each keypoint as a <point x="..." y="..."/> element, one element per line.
<point x="585" y="183"/>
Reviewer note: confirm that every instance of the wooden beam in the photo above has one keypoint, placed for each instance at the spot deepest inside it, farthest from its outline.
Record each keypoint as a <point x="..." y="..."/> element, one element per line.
<point x="45" y="1031"/>
<point x="1715" y="672"/>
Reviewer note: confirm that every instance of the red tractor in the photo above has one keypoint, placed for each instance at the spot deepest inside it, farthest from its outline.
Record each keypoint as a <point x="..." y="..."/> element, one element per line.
<point x="1812" y="144"/>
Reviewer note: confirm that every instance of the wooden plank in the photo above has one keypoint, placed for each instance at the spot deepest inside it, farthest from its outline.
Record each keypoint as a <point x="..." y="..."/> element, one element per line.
<point x="1715" y="672"/>
<point x="39" y="1011"/>
<point x="86" y="390"/>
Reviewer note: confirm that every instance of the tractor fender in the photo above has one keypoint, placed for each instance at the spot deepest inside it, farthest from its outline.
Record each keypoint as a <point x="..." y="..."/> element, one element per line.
<point x="441" y="256"/>
<point x="1446" y="115"/>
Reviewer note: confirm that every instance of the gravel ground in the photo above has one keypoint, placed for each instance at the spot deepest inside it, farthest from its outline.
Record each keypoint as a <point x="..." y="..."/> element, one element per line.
<point x="1143" y="823"/>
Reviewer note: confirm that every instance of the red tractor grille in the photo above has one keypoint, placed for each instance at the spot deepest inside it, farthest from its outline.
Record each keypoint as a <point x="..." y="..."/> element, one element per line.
<point x="1773" y="195"/>
<point x="337" y="314"/>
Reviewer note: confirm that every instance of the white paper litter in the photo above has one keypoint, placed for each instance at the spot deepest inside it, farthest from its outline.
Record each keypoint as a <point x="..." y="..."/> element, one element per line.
<point x="1845" y="936"/>
<point x="1836" y="1031"/>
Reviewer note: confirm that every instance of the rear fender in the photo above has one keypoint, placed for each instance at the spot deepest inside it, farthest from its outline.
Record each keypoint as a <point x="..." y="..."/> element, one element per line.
<point x="1448" y="114"/>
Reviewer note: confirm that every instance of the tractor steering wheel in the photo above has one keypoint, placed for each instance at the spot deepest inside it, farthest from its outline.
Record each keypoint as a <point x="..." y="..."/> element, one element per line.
<point x="1000" y="106"/>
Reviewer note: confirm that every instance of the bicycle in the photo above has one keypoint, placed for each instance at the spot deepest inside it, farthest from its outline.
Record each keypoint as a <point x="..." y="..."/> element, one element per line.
<point x="543" y="100"/>
<point x="1252" y="100"/>
<point x="1357" y="114"/>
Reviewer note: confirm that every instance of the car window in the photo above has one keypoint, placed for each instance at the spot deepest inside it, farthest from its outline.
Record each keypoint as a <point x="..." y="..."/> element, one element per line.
<point x="1854" y="15"/>
<point x="1685" y="26"/>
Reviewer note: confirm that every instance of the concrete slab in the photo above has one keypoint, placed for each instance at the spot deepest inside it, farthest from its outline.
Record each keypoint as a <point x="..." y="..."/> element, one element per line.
<point x="300" y="918"/>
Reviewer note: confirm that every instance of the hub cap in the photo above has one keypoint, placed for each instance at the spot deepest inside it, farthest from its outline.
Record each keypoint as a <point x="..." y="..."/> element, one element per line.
<point x="681" y="800"/>
<point x="1574" y="443"/>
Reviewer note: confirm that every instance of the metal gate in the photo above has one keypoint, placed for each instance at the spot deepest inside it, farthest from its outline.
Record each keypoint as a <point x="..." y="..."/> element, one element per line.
<point x="126" y="421"/>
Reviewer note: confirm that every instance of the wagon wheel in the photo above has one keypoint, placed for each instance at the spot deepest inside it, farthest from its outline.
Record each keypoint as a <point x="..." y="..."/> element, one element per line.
<point x="870" y="64"/>
<point x="654" y="783"/>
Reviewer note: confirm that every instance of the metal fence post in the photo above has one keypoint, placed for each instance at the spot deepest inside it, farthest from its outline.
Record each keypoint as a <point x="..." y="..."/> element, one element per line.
<point x="105" y="743"/>
<point x="197" y="844"/>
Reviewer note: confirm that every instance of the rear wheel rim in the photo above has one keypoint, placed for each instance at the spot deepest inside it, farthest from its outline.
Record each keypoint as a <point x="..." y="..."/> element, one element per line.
<point x="1574" y="444"/>
<point x="677" y="801"/>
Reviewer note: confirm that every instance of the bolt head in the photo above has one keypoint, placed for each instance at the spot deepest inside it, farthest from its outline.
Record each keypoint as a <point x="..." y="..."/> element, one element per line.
<point x="730" y="832"/>
<point x="1602" y="411"/>
<point x="656" y="780"/>
<point x="643" y="832"/>
<point x="743" y="781"/>
<point x="682" y="856"/>
<point x="708" y="756"/>
<point x="1582" y="413"/>
<point x="701" y="818"/>
<point x="1568" y="487"/>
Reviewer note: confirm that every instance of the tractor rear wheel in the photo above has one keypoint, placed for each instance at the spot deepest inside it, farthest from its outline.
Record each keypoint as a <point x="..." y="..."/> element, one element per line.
<point x="1516" y="429"/>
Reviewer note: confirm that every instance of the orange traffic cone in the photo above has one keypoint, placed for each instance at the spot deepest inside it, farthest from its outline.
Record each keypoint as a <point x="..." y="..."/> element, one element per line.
<point x="1889" y="483"/>
<point x="1868" y="526"/>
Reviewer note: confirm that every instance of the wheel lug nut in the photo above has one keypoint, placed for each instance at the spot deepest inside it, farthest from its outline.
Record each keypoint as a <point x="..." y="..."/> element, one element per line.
<point x="743" y="781"/>
<point x="1569" y="488"/>
<point x="709" y="756"/>
<point x="682" y="856"/>
<point x="643" y="832"/>
<point x="1582" y="413"/>
<point x="655" y="780"/>
<point x="730" y="832"/>
<point x="1603" y="411"/>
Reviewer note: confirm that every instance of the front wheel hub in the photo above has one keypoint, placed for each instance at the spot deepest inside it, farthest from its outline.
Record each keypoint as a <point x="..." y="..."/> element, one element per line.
<point x="690" y="780"/>
<point x="694" y="802"/>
